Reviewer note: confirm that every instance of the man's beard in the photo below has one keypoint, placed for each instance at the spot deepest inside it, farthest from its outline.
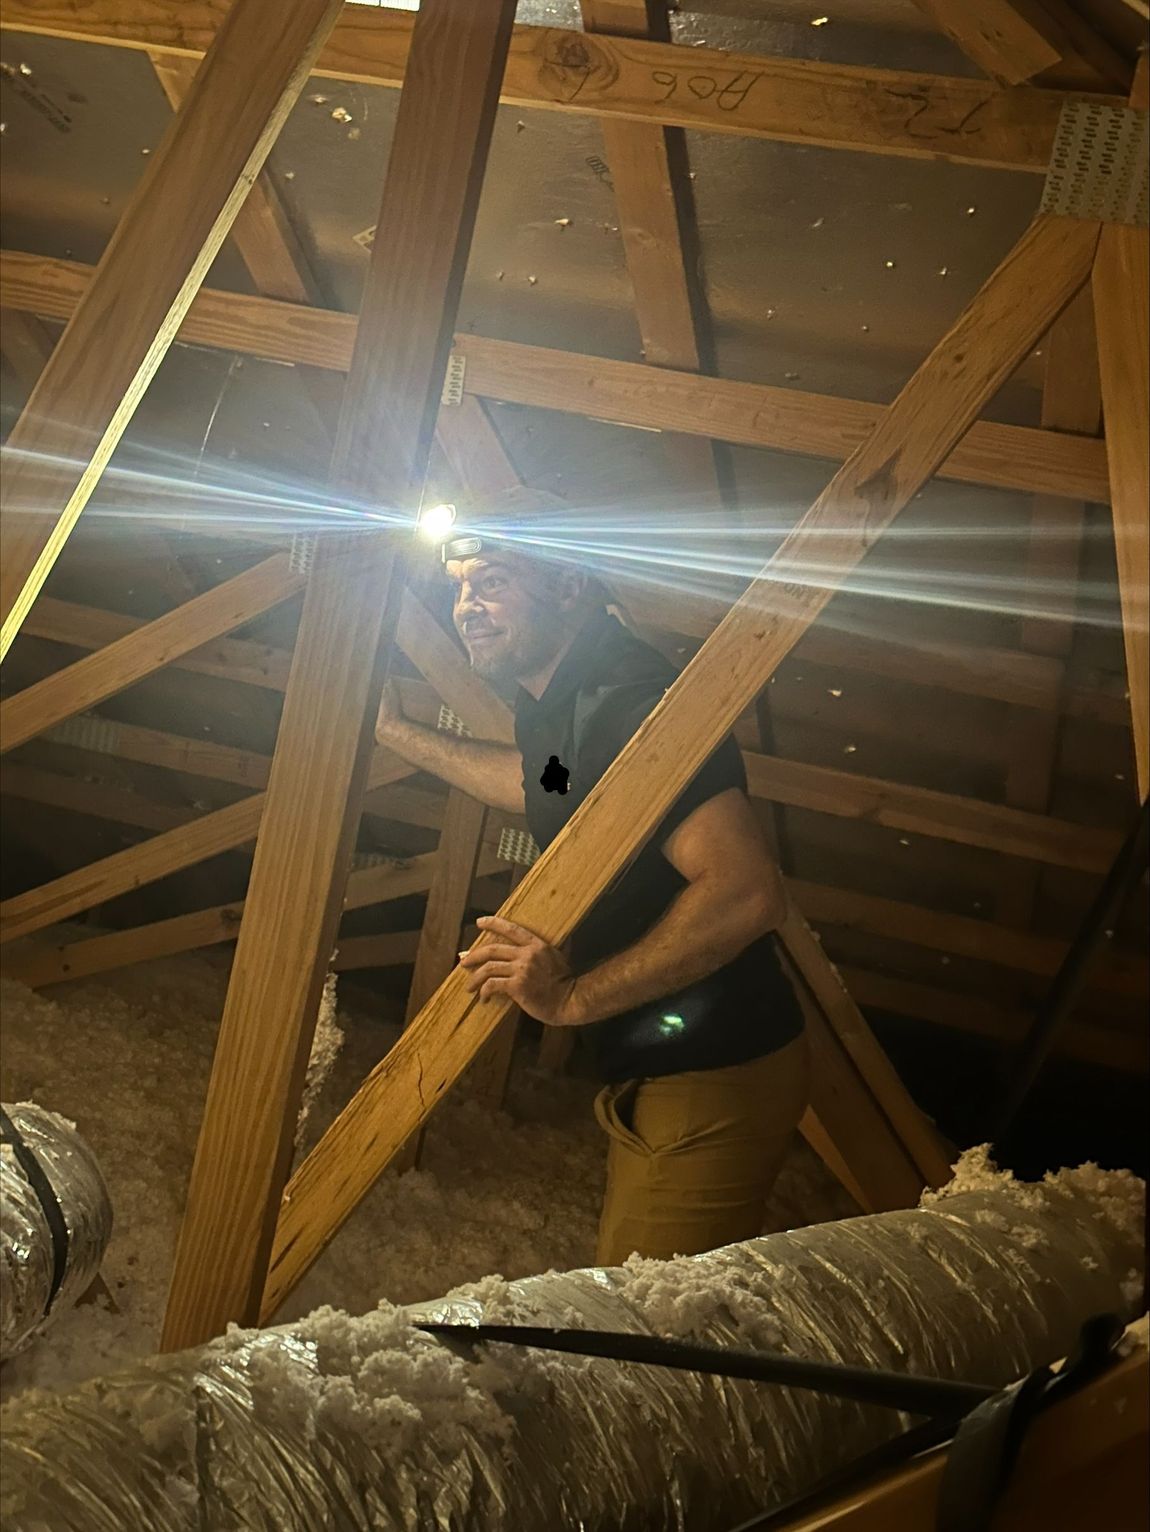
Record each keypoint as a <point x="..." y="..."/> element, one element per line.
<point x="519" y="655"/>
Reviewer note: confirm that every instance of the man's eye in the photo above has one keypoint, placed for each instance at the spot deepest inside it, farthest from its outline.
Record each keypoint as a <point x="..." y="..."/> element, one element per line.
<point x="491" y="585"/>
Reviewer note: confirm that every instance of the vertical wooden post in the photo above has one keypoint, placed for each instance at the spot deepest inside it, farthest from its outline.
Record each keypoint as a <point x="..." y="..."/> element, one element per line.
<point x="1122" y="310"/>
<point x="648" y="164"/>
<point x="460" y="840"/>
<point x="155" y="262"/>
<point x="270" y="248"/>
<point x="1071" y="401"/>
<point x="442" y="133"/>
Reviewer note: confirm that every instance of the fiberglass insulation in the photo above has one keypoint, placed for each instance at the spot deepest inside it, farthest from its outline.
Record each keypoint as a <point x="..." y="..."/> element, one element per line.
<point x="365" y="1422"/>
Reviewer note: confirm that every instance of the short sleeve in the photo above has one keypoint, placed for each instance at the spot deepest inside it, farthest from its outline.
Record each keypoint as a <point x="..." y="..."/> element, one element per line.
<point x="618" y="720"/>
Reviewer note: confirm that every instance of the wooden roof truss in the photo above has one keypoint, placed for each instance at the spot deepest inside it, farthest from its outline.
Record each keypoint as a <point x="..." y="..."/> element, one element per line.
<point x="251" y="1230"/>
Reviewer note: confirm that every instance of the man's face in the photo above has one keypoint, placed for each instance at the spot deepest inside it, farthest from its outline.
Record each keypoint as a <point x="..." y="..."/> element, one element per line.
<point x="502" y="613"/>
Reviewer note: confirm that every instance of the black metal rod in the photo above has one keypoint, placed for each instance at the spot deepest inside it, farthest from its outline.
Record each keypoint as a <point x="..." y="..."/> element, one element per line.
<point x="916" y="1395"/>
<point x="1068" y="982"/>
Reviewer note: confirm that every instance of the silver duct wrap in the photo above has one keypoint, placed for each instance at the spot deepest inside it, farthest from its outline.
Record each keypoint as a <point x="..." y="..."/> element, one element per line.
<point x="26" y="1250"/>
<point x="366" y="1423"/>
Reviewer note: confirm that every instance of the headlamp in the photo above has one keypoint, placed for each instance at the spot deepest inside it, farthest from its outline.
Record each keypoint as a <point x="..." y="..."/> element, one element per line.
<point x="436" y="522"/>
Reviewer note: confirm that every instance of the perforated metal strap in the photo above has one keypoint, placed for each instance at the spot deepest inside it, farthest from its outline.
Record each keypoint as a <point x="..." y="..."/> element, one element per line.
<point x="1099" y="167"/>
<point x="517" y="846"/>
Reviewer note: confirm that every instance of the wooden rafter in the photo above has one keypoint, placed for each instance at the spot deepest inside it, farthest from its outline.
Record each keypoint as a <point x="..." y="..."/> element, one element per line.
<point x="268" y="244"/>
<point x="648" y="165"/>
<point x="148" y="648"/>
<point x="1071" y="401"/>
<point x="627" y="393"/>
<point x="319" y="771"/>
<point x="1017" y="305"/>
<point x="881" y="111"/>
<point x="1015" y="40"/>
<point x="1002" y="41"/>
<point x="759" y="415"/>
<point x="26" y="345"/>
<point x="1122" y="310"/>
<point x="457" y="858"/>
<point x="113" y="344"/>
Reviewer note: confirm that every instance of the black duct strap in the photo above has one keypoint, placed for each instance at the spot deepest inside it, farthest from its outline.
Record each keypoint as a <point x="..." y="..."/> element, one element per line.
<point x="46" y="1196"/>
<point x="986" y="1444"/>
<point x="869" y="1385"/>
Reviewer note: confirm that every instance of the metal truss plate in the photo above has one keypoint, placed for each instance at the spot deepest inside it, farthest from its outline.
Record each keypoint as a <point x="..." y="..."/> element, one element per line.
<point x="451" y="722"/>
<point x="303" y="546"/>
<point x="1099" y="166"/>
<point x="517" y="846"/>
<point x="453" y="379"/>
<point x="85" y="732"/>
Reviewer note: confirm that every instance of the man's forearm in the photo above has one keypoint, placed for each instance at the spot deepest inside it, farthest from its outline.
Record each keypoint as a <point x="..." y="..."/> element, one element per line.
<point x="703" y="929"/>
<point x="487" y="771"/>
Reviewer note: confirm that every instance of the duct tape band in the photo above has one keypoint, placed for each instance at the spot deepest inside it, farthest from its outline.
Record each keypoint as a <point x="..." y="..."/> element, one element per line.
<point x="49" y="1203"/>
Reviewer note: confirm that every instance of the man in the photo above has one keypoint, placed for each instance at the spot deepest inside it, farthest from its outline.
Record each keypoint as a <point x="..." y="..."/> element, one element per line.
<point x="673" y="975"/>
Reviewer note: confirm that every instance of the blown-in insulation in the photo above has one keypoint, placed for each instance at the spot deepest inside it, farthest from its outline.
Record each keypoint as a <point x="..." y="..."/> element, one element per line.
<point x="357" y="1423"/>
<point x="26" y="1242"/>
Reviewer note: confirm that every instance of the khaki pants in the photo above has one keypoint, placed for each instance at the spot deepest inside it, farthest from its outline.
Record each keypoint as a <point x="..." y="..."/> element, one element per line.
<point x="692" y="1157"/>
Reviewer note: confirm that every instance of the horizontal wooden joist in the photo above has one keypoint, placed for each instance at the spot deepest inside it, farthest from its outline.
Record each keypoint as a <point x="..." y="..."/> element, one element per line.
<point x="984" y="1018"/>
<point x="759" y="415"/>
<point x="984" y="941"/>
<point x="825" y="907"/>
<point x="627" y="393"/>
<point x="206" y="836"/>
<point x="799" y="784"/>
<point x="878" y="111"/>
<point x="147" y="648"/>
<point x="97" y="799"/>
<point x="39" y="964"/>
<point x="968" y="821"/>
<point x="1003" y="675"/>
<point x="821" y="789"/>
<point x="90" y="627"/>
<point x="390" y="949"/>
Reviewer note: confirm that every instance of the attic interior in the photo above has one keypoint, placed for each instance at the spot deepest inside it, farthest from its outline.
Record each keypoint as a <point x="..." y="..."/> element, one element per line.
<point x="815" y="346"/>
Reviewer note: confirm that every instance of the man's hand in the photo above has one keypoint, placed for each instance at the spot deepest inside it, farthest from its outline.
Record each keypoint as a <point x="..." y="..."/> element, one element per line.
<point x="523" y="966"/>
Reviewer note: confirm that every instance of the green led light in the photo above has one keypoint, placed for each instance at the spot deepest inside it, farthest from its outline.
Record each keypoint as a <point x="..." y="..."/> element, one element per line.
<point x="671" y="1023"/>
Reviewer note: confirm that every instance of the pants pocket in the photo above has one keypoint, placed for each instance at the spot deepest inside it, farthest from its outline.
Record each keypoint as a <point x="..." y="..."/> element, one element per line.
<point x="613" y="1108"/>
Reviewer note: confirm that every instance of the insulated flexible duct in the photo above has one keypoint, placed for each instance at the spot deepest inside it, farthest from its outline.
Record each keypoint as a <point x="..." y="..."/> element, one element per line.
<point x="55" y="1221"/>
<point x="343" y="1423"/>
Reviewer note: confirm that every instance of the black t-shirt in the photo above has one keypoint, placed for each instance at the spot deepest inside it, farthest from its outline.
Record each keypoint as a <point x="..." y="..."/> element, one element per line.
<point x="604" y="688"/>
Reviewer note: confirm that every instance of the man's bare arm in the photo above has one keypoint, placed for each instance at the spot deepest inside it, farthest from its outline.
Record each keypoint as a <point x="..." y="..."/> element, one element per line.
<point x="734" y="895"/>
<point x="487" y="771"/>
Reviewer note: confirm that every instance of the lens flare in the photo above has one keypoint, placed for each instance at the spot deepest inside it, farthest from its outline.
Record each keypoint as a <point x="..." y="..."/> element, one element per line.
<point x="436" y="522"/>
